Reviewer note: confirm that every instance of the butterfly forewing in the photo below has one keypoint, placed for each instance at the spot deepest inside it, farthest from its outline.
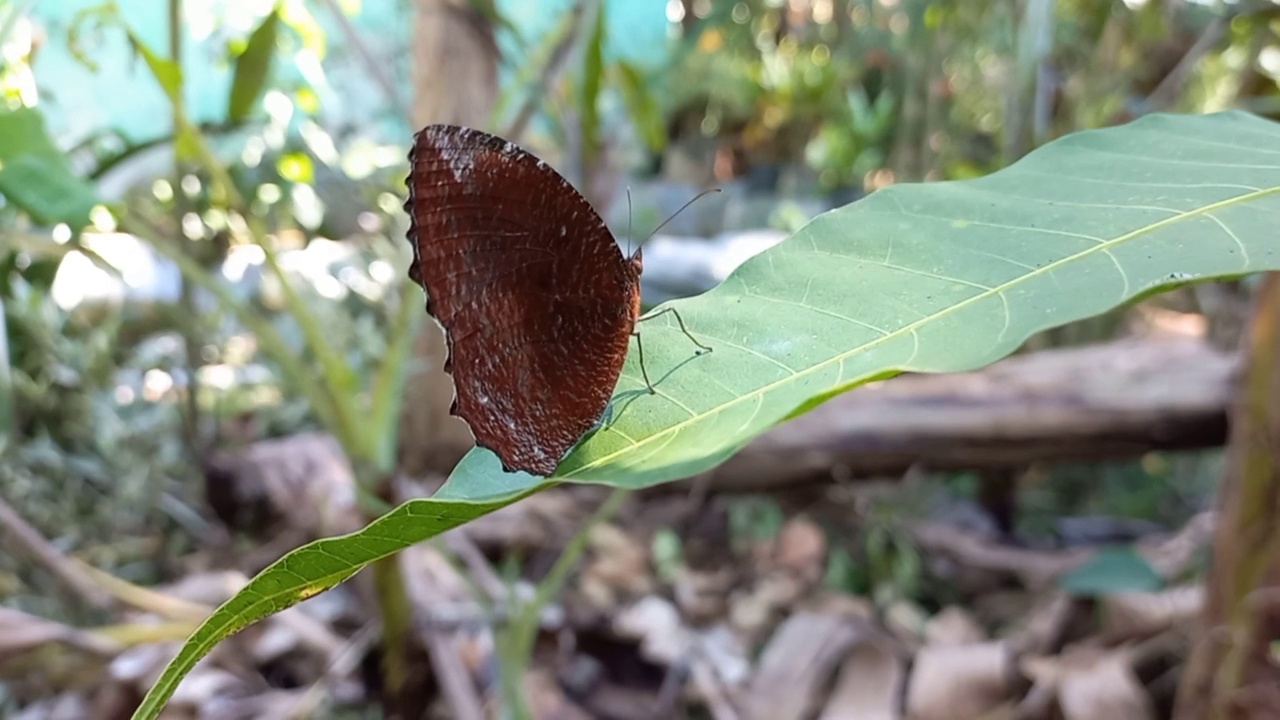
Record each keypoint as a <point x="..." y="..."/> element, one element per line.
<point x="536" y="300"/>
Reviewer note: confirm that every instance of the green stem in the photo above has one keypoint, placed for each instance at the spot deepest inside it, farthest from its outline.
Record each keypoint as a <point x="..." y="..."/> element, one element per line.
<point x="189" y="331"/>
<point x="6" y="383"/>
<point x="516" y="644"/>
<point x="397" y="627"/>
<point x="295" y="373"/>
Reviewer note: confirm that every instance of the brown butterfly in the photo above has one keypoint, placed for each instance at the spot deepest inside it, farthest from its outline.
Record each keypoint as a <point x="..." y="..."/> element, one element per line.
<point x="537" y="301"/>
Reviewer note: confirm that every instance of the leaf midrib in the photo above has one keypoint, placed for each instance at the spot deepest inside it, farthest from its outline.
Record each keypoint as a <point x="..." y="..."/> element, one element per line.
<point x="288" y="596"/>
<point x="913" y="326"/>
<point x="237" y="622"/>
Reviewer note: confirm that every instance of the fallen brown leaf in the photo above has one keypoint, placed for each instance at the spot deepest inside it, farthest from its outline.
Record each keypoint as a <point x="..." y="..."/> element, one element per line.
<point x="958" y="682"/>
<point x="953" y="626"/>
<point x="1092" y="684"/>
<point x="799" y="659"/>
<point x="801" y="548"/>
<point x="1146" y="612"/>
<point x="869" y="686"/>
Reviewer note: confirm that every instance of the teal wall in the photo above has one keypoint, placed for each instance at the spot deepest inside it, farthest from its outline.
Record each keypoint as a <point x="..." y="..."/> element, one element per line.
<point x="122" y="95"/>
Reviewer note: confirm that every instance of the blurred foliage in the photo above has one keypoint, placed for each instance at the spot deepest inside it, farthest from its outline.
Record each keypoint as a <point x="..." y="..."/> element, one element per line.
<point x="1112" y="570"/>
<point x="845" y="93"/>
<point x="921" y="89"/>
<point x="1165" y="488"/>
<point x="99" y="395"/>
<point x="828" y="97"/>
<point x="96" y="458"/>
<point x="767" y="77"/>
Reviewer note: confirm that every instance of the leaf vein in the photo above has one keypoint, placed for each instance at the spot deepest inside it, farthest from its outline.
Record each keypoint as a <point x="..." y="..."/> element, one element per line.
<point x="1244" y="252"/>
<point x="752" y="351"/>
<point x="1045" y="270"/>
<point x="1171" y="161"/>
<point x="820" y="311"/>
<point x="1125" y="183"/>
<point x="925" y="273"/>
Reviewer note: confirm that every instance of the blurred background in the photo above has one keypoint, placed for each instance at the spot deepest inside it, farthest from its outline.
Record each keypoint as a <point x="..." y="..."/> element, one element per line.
<point x="210" y="354"/>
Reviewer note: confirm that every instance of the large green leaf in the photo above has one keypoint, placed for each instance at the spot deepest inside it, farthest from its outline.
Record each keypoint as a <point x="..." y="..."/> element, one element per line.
<point x="938" y="277"/>
<point x="35" y="175"/>
<point x="928" y="278"/>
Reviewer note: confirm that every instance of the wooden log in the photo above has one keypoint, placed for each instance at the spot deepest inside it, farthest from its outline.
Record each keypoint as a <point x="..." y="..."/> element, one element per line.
<point x="1116" y="400"/>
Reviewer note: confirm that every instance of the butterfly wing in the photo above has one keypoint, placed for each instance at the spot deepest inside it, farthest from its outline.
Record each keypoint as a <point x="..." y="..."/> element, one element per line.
<point x="536" y="299"/>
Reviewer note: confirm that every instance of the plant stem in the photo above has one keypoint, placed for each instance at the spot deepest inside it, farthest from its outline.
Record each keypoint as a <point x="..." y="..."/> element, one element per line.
<point x="186" y="299"/>
<point x="516" y="644"/>
<point x="1233" y="654"/>
<point x="7" y="413"/>
<point x="397" y="626"/>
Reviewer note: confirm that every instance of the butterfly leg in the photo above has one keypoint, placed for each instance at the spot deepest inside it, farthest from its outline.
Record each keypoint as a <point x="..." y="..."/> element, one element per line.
<point x="680" y="321"/>
<point x="643" y="372"/>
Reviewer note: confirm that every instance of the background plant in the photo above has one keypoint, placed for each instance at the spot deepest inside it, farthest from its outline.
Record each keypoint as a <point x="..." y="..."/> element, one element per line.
<point x="826" y="99"/>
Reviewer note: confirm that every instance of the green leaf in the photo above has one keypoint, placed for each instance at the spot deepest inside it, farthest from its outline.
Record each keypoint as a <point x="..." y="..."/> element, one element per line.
<point x="937" y="277"/>
<point x="35" y="175"/>
<point x="311" y="569"/>
<point x="1112" y="570"/>
<point x="479" y="475"/>
<point x="252" y="67"/>
<point x="166" y="72"/>
<point x="591" y="74"/>
<point x="188" y="142"/>
<point x="642" y="105"/>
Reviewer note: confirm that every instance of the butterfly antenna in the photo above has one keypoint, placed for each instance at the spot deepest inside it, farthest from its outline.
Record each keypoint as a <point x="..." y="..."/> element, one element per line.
<point x="629" y="236"/>
<point x="663" y="224"/>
